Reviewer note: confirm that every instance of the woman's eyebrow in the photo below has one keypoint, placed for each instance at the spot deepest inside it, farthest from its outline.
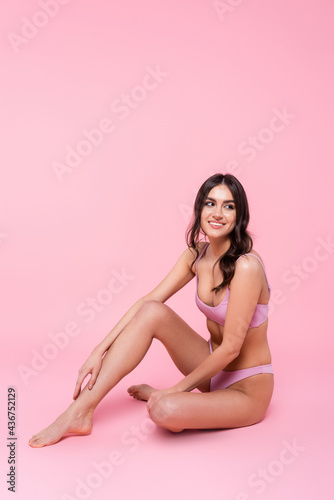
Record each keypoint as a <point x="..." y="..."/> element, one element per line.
<point x="224" y="201"/>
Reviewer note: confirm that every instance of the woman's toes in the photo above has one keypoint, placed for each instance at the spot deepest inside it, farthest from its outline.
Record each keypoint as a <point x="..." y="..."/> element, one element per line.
<point x="141" y="392"/>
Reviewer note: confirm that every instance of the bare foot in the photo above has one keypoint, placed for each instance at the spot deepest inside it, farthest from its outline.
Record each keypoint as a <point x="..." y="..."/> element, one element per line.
<point x="66" y="423"/>
<point x="141" y="392"/>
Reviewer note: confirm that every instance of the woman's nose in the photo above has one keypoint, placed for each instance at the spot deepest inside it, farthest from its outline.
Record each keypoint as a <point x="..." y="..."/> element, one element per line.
<point x="218" y="212"/>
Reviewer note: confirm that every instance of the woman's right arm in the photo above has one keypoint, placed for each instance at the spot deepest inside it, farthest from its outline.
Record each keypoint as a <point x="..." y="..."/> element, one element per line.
<point x="177" y="278"/>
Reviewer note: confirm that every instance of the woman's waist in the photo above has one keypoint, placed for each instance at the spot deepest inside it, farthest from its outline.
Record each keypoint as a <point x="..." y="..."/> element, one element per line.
<point x="237" y="365"/>
<point x="248" y="358"/>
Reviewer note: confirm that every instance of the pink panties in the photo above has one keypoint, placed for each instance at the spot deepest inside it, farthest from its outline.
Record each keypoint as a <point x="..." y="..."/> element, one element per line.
<point x="224" y="378"/>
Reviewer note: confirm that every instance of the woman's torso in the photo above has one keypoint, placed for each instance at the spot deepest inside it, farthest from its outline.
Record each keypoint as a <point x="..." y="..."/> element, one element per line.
<point x="255" y="349"/>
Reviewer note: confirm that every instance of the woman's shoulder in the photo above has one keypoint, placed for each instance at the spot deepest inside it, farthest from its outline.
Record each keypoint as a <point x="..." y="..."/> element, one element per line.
<point x="251" y="262"/>
<point x="252" y="252"/>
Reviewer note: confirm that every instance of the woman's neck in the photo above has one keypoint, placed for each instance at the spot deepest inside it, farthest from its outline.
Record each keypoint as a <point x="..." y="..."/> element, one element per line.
<point x="219" y="247"/>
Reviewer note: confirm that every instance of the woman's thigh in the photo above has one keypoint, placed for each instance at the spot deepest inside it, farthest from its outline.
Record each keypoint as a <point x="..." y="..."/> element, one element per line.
<point x="237" y="406"/>
<point x="185" y="346"/>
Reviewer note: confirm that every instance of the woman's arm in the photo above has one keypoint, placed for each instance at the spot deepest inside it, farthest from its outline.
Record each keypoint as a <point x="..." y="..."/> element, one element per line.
<point x="177" y="278"/>
<point x="245" y="289"/>
<point x="104" y="345"/>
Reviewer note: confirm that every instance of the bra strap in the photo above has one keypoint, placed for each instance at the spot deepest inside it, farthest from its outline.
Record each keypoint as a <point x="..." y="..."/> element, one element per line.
<point x="260" y="263"/>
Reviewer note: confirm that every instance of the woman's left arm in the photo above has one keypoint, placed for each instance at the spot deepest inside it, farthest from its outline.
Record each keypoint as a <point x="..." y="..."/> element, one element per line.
<point x="245" y="289"/>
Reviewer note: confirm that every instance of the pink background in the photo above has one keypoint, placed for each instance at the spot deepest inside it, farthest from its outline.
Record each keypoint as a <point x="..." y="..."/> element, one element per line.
<point x="225" y="75"/>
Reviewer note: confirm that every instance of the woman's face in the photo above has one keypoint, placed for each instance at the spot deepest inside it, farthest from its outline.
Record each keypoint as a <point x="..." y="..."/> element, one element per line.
<point x="218" y="216"/>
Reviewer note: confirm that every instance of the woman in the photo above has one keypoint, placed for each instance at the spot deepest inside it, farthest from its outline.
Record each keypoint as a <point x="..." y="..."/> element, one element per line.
<point x="232" y="371"/>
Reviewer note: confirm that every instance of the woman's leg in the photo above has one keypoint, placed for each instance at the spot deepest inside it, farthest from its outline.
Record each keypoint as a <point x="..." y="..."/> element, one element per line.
<point x="242" y="404"/>
<point x="153" y="320"/>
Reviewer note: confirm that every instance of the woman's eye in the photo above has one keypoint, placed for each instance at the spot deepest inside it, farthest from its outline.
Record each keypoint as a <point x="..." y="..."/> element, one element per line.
<point x="209" y="203"/>
<point x="231" y="207"/>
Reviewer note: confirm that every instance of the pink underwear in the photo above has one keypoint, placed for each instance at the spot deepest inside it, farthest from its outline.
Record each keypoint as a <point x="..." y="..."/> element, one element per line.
<point x="224" y="378"/>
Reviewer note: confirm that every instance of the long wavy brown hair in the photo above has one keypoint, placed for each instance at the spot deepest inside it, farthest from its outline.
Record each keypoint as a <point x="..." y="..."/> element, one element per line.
<point x="241" y="241"/>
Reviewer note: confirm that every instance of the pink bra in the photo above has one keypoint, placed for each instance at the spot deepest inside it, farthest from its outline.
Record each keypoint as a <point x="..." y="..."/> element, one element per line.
<point x="218" y="313"/>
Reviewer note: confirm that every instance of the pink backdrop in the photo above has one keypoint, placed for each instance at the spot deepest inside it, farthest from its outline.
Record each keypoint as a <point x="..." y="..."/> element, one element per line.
<point x="113" y="114"/>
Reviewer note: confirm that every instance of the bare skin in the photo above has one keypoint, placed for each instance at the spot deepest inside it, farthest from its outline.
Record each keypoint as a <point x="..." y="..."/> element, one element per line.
<point x="235" y="346"/>
<point x="74" y="424"/>
<point x="66" y="423"/>
<point x="142" y="392"/>
<point x="153" y="320"/>
<point x="156" y="320"/>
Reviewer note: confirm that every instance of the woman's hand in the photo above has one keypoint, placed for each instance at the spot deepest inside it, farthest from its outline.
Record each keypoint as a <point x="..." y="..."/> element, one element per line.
<point x="91" y="366"/>
<point x="156" y="395"/>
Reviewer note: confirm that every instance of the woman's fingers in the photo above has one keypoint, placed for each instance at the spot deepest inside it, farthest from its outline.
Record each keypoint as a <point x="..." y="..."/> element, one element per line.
<point x="81" y="377"/>
<point x="92" y="380"/>
<point x="151" y="400"/>
<point x="92" y="366"/>
<point x="95" y="373"/>
<point x="156" y="395"/>
<point x="76" y="390"/>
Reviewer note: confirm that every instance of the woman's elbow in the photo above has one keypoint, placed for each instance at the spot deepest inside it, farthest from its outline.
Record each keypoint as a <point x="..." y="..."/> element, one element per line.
<point x="232" y="349"/>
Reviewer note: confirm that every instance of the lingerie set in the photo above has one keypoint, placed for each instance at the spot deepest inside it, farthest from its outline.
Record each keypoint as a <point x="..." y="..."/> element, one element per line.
<point x="218" y="314"/>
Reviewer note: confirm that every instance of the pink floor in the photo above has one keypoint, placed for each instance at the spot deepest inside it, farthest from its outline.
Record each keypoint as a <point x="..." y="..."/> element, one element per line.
<point x="287" y="455"/>
<point x="112" y="116"/>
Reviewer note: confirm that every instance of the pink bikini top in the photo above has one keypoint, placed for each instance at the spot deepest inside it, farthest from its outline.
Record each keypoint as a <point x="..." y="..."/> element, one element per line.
<point x="218" y="313"/>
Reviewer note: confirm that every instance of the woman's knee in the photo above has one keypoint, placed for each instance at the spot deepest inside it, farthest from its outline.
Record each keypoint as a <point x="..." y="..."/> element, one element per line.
<point x="152" y="310"/>
<point x="164" y="413"/>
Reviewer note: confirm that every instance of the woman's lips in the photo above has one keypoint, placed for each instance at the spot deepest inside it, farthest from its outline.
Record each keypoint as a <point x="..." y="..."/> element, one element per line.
<point x="216" y="225"/>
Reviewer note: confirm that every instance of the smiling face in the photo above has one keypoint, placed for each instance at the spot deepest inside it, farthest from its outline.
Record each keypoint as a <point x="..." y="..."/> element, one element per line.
<point x="218" y="217"/>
